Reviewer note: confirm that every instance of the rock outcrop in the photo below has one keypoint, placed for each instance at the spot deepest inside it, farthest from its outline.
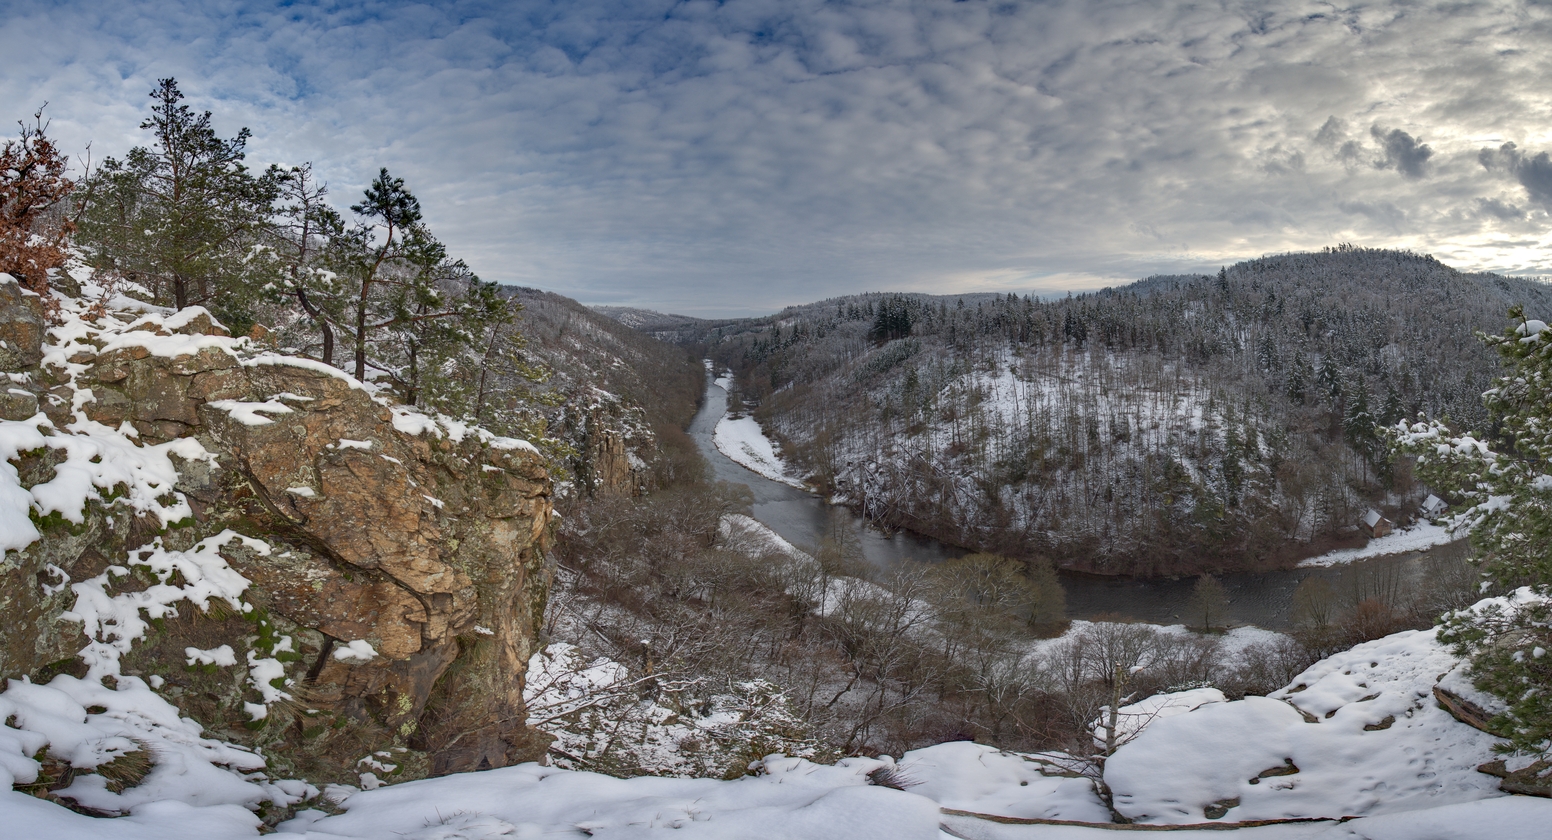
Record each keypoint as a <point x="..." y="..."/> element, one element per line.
<point x="604" y="428"/>
<point x="391" y="563"/>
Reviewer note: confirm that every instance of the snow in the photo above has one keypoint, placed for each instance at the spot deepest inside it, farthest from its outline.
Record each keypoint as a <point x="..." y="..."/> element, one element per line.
<point x="793" y="799"/>
<point x="1361" y="727"/>
<point x="744" y="442"/>
<point x="196" y="784"/>
<point x="222" y="656"/>
<point x="1413" y="780"/>
<point x="1419" y="537"/>
<point x="305" y="364"/>
<point x="248" y="413"/>
<point x="973" y="777"/>
<point x="16" y="528"/>
<point x="263" y="673"/>
<point x="414" y="422"/>
<point x="97" y="458"/>
<point x="506" y="443"/>
<point x="169" y="346"/>
<point x="113" y="623"/>
<point x="184" y="317"/>
<point x="1132" y="719"/>
<point x="357" y="651"/>
<point x="745" y="533"/>
<point x="596" y="710"/>
<point x="1181" y="764"/>
<point x="1357" y="734"/>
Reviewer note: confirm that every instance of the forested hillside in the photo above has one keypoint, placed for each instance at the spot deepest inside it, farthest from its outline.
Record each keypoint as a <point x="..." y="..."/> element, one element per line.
<point x="1175" y="424"/>
<point x="619" y="399"/>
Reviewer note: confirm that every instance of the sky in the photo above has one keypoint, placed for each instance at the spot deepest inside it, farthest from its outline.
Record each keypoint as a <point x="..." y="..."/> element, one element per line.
<point x="727" y="159"/>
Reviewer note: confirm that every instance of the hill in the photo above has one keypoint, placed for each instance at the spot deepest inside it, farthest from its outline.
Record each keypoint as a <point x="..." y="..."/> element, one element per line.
<point x="619" y="398"/>
<point x="1176" y="424"/>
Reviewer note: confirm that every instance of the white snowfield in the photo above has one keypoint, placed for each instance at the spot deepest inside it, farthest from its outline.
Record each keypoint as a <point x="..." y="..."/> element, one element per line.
<point x="744" y="442"/>
<point x="1419" y="537"/>
<point x="1362" y="728"/>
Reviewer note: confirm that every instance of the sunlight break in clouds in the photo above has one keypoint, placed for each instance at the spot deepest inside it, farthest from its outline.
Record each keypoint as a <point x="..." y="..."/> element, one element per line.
<point x="722" y="159"/>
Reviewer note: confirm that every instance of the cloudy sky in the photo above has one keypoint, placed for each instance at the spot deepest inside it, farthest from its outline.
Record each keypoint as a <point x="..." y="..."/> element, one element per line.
<point x="730" y="158"/>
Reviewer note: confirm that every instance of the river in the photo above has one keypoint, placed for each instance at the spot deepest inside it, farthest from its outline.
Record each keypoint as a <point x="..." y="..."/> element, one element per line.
<point x="1264" y="599"/>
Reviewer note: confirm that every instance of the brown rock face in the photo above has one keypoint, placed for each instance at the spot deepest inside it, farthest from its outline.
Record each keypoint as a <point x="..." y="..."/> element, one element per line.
<point x="600" y="424"/>
<point x="441" y="544"/>
<point x="425" y="547"/>
<point x="1533" y="780"/>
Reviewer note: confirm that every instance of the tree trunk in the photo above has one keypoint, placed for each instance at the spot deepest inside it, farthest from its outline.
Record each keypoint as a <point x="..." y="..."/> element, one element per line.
<point x="323" y="323"/>
<point x="361" y="332"/>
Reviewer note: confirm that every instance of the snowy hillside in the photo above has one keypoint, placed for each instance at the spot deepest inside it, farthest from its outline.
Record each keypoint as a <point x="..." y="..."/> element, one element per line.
<point x="1178" y="424"/>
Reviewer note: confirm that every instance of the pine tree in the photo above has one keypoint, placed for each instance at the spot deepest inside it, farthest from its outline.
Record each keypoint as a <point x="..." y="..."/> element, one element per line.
<point x="1299" y="377"/>
<point x="180" y="217"/>
<point x="1358" y="424"/>
<point x="1267" y="356"/>
<point x="302" y="233"/>
<point x="1233" y="470"/>
<point x="895" y="317"/>
<point x="1510" y="518"/>
<point x="1393" y="411"/>
<point x="1331" y="379"/>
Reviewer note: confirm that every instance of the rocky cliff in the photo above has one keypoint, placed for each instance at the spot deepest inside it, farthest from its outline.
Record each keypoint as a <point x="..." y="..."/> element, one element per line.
<point x="347" y="585"/>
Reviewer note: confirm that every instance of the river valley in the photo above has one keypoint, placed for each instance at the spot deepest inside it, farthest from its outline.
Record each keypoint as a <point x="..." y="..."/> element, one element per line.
<point x="1263" y="599"/>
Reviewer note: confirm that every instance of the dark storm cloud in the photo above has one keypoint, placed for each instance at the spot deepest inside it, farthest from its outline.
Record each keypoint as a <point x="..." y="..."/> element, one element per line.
<point x="1534" y="172"/>
<point x="738" y="156"/>
<point x="1402" y="152"/>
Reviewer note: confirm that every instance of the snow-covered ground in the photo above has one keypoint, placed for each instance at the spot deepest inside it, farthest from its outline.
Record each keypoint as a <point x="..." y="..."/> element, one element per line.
<point x="1356" y="735"/>
<point x="1419" y="537"/>
<point x="744" y="442"/>
<point x="1377" y="750"/>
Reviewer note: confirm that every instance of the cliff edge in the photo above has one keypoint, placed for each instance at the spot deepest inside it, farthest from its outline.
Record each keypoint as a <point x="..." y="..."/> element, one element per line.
<point x="299" y="565"/>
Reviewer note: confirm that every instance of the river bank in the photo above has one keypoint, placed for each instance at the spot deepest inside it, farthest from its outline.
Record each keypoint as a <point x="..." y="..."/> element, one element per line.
<point x="1263" y="599"/>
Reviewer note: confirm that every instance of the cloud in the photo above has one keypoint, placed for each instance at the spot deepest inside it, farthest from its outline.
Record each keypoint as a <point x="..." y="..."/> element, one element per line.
<point x="1534" y="172"/>
<point x="1402" y="151"/>
<point x="734" y="157"/>
<point x="1499" y="209"/>
<point x="1332" y="132"/>
<point x="1382" y="212"/>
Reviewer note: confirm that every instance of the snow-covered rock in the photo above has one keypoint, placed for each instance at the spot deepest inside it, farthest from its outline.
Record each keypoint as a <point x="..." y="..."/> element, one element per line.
<point x="266" y="539"/>
<point x="1356" y="734"/>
